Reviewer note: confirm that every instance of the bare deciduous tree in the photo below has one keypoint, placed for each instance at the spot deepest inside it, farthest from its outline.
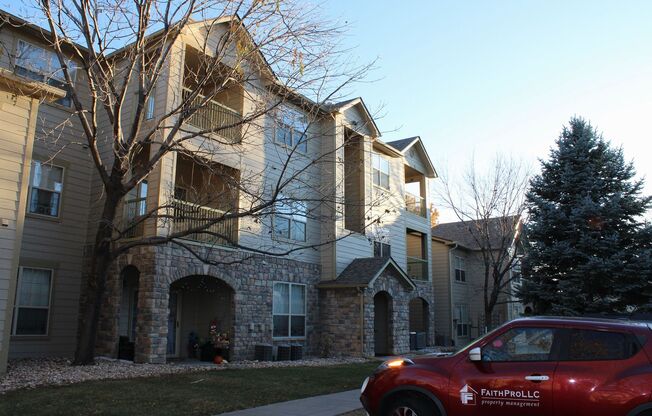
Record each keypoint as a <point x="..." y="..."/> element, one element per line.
<point x="490" y="206"/>
<point x="116" y="61"/>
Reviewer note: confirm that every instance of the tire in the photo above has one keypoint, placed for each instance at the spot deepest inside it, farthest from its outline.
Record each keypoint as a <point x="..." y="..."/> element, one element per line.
<point x="411" y="406"/>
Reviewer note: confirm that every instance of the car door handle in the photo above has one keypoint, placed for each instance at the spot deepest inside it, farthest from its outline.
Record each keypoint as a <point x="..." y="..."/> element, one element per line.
<point x="537" y="378"/>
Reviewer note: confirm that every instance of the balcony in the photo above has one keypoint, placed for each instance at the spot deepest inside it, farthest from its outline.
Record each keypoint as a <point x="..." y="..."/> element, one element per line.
<point x="214" y="115"/>
<point x="188" y="216"/>
<point x="133" y="211"/>
<point x="416" y="204"/>
<point x="417" y="268"/>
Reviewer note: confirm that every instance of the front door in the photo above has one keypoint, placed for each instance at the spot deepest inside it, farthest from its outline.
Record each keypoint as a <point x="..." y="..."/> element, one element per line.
<point x="381" y="324"/>
<point x="173" y="324"/>
<point x="514" y="378"/>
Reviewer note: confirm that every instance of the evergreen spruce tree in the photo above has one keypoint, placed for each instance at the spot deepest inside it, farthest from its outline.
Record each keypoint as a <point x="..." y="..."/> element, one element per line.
<point x="588" y="249"/>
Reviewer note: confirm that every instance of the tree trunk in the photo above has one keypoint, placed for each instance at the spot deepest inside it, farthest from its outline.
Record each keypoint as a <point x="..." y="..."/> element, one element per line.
<point x="96" y="284"/>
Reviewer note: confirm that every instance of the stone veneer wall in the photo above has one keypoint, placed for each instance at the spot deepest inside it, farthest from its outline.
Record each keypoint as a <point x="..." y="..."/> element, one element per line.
<point x="340" y="316"/>
<point x="252" y="279"/>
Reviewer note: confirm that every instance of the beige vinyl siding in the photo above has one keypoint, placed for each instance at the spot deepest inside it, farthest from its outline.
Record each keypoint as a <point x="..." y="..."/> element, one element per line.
<point x="16" y="142"/>
<point x="55" y="243"/>
<point x="441" y="280"/>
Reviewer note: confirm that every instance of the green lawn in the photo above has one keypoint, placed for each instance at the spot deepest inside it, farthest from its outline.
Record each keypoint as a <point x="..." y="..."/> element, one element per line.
<point x="202" y="393"/>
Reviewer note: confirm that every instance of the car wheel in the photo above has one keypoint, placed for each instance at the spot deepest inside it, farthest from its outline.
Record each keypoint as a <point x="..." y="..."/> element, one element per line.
<point x="411" y="406"/>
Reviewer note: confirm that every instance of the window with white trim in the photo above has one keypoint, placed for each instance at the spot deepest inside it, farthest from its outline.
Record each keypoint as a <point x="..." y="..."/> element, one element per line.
<point x="32" y="308"/>
<point x="291" y="130"/>
<point x="380" y="170"/>
<point x="289" y="310"/>
<point x="43" y="65"/>
<point x="290" y="219"/>
<point x="462" y="322"/>
<point x="46" y="185"/>
<point x="382" y="249"/>
<point x="460" y="269"/>
<point x="149" y="106"/>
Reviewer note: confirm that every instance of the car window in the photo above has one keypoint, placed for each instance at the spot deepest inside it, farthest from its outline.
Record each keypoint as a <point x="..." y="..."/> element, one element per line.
<point x="521" y="344"/>
<point x="587" y="345"/>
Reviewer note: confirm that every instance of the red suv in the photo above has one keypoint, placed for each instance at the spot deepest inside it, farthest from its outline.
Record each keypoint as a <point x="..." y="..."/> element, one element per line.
<point x="527" y="367"/>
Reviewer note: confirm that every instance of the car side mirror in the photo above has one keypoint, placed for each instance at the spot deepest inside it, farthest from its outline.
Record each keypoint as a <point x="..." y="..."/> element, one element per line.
<point x="475" y="354"/>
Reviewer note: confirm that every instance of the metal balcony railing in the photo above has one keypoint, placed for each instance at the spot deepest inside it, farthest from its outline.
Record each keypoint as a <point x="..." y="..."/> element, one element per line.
<point x="214" y="115"/>
<point x="133" y="210"/>
<point x="187" y="216"/>
<point x="416" y="205"/>
<point x="417" y="268"/>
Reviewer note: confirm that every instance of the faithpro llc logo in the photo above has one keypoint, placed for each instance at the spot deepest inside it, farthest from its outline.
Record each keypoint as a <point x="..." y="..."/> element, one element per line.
<point x="468" y="395"/>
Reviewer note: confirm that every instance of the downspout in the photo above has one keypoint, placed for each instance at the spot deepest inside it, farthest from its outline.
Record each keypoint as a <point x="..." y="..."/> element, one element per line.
<point x="361" y="293"/>
<point x="450" y="291"/>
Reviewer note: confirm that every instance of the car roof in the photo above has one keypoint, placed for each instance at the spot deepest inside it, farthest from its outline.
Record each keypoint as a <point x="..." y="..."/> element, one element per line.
<point x="585" y="322"/>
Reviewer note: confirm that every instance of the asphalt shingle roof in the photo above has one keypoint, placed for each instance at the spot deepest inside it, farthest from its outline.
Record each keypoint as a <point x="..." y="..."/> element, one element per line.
<point x="461" y="232"/>
<point x="400" y="145"/>
<point x="362" y="271"/>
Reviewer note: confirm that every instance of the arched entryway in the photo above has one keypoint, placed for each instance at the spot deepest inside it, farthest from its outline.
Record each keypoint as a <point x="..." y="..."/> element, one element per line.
<point x="129" y="277"/>
<point x="196" y="304"/>
<point x="419" y="323"/>
<point x="382" y="321"/>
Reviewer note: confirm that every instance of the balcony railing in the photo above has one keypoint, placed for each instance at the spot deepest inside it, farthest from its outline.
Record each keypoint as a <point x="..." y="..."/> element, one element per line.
<point x="213" y="115"/>
<point x="133" y="211"/>
<point x="416" y="205"/>
<point x="188" y="216"/>
<point x="417" y="268"/>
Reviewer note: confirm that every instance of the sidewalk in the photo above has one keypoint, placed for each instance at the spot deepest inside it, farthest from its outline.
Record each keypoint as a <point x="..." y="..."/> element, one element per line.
<point x="327" y="405"/>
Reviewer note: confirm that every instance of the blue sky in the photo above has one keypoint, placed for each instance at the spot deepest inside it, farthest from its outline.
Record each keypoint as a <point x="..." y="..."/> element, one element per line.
<point x="487" y="77"/>
<point x="478" y="78"/>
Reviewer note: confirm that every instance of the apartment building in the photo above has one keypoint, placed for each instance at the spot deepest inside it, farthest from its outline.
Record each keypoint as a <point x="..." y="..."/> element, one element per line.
<point x="356" y="276"/>
<point x="458" y="269"/>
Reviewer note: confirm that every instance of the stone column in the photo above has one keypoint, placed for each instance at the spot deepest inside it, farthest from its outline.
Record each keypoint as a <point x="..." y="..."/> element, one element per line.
<point x="152" y="320"/>
<point x="106" y="343"/>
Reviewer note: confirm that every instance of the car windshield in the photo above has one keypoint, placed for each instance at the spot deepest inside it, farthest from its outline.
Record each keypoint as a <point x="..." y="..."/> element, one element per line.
<point x="467" y="346"/>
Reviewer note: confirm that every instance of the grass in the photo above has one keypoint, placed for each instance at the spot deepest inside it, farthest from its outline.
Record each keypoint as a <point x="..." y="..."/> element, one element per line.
<point x="192" y="394"/>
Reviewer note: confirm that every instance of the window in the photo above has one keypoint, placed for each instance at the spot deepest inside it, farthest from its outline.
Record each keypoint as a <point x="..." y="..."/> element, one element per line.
<point x="290" y="219"/>
<point x="289" y="310"/>
<point x="43" y="65"/>
<point x="380" y="170"/>
<point x="462" y="320"/>
<point x="585" y="345"/>
<point x="46" y="185"/>
<point x="382" y="249"/>
<point x="291" y="130"/>
<point x="149" y="106"/>
<point x="460" y="272"/>
<point x="32" y="301"/>
<point x="136" y="200"/>
<point x="521" y="344"/>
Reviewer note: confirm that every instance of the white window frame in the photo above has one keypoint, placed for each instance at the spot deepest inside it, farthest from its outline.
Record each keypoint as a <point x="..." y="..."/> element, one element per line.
<point x="296" y="125"/>
<point x="375" y="156"/>
<point x="52" y="72"/>
<point x="463" y="321"/>
<point x="383" y="248"/>
<point x="17" y="307"/>
<point x="31" y="186"/>
<point x="290" y="314"/>
<point x="460" y="265"/>
<point x="150" y="105"/>
<point x="286" y="211"/>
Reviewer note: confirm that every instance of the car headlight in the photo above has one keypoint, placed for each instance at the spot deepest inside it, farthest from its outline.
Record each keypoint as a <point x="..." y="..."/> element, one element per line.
<point x="364" y="385"/>
<point x="395" y="363"/>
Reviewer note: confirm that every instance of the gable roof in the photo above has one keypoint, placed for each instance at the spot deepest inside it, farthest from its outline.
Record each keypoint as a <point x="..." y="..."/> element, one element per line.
<point x="363" y="272"/>
<point x="403" y="145"/>
<point x="358" y="101"/>
<point x="460" y="232"/>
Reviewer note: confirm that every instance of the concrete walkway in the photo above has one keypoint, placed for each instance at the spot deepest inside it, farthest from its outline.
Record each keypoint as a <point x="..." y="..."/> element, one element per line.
<point x="327" y="405"/>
